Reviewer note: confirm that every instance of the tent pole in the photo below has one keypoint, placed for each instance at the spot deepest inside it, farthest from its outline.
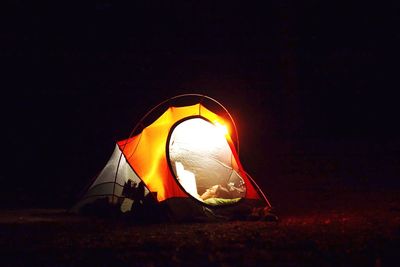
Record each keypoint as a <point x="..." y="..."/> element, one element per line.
<point x="259" y="190"/>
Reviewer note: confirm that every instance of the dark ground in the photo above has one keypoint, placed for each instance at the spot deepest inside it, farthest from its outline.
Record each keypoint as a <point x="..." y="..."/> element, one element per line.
<point x="339" y="230"/>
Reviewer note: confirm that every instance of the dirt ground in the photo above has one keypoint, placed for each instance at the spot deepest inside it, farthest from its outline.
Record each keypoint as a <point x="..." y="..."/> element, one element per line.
<point x="336" y="235"/>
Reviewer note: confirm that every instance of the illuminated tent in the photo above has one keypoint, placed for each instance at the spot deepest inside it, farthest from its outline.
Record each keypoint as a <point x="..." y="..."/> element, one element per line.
<point x="184" y="159"/>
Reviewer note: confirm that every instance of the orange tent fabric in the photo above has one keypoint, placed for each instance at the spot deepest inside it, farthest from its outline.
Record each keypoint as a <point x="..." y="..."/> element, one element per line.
<point x="146" y="152"/>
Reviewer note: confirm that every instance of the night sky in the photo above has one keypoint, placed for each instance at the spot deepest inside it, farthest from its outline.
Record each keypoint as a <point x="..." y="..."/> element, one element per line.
<point x="312" y="88"/>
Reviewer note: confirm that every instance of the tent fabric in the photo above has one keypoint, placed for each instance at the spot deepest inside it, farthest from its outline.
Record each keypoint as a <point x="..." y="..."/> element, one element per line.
<point x="109" y="182"/>
<point x="146" y="152"/>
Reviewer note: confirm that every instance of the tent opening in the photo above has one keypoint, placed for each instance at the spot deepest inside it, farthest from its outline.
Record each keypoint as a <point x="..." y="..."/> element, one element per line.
<point x="203" y="162"/>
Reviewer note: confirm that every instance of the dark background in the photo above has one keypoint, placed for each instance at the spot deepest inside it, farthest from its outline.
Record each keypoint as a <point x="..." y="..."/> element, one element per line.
<point x="312" y="88"/>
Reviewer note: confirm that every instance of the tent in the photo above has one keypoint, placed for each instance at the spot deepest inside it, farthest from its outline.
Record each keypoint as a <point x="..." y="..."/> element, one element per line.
<point x="185" y="162"/>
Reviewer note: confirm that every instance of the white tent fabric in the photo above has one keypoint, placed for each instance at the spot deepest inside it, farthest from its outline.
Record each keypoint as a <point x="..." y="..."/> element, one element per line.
<point x="107" y="184"/>
<point x="125" y="171"/>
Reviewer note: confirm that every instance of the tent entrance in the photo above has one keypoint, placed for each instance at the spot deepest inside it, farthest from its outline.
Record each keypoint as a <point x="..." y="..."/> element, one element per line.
<point x="203" y="163"/>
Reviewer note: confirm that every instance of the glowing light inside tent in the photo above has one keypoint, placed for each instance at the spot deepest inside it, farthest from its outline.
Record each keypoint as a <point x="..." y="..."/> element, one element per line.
<point x="222" y="129"/>
<point x="202" y="135"/>
<point x="202" y="158"/>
